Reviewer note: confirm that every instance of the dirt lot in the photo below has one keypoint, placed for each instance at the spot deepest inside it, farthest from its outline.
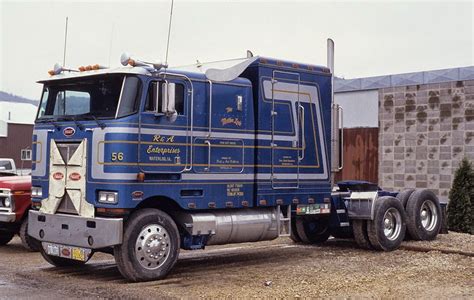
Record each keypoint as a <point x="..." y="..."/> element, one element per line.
<point x="267" y="269"/>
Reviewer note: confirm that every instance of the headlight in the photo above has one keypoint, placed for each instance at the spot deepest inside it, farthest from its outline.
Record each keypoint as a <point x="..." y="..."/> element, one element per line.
<point x="108" y="197"/>
<point x="36" y="192"/>
<point x="7" y="202"/>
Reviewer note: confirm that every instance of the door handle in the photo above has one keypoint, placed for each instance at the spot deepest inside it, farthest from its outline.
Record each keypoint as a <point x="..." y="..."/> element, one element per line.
<point x="303" y="141"/>
<point x="208" y="168"/>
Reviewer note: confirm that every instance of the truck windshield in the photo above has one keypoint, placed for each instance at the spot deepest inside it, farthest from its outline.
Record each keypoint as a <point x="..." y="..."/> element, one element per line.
<point x="96" y="96"/>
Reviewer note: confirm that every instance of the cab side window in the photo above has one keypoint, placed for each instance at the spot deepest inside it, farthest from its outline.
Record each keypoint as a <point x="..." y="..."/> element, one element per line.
<point x="179" y="94"/>
<point x="150" y="102"/>
<point x="151" y="105"/>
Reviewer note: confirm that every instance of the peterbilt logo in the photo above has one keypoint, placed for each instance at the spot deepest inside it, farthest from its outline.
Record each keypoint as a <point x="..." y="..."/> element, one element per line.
<point x="75" y="176"/>
<point x="137" y="195"/>
<point x="69" y="131"/>
<point x="58" y="175"/>
<point x="66" y="252"/>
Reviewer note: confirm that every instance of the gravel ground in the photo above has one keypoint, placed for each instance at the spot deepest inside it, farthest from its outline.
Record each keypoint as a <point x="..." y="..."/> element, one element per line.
<point x="267" y="269"/>
<point x="452" y="241"/>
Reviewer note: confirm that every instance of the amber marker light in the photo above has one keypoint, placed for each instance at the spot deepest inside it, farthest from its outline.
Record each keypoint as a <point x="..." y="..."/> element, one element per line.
<point x="112" y="211"/>
<point x="141" y="177"/>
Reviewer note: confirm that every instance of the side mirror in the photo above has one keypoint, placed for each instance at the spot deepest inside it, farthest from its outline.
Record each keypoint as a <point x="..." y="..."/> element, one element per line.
<point x="168" y="97"/>
<point x="168" y="105"/>
<point x="157" y="100"/>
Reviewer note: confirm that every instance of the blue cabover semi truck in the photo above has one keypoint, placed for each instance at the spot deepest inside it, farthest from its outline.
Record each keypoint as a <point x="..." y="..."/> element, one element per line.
<point x="144" y="160"/>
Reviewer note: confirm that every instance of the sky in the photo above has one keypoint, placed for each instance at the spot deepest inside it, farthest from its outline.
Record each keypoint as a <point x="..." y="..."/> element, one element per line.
<point x="371" y="37"/>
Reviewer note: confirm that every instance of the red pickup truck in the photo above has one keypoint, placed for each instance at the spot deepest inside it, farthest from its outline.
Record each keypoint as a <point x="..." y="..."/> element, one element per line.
<point x="15" y="202"/>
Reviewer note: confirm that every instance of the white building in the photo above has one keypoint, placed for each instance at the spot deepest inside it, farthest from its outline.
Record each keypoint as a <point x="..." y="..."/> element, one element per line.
<point x="17" y="113"/>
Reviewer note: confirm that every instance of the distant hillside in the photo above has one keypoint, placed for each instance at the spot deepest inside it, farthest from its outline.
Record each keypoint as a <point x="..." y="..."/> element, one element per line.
<point x="5" y="97"/>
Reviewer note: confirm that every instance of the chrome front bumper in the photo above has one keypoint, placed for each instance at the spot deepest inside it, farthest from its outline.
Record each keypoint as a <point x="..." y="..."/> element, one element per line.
<point x="8" y="217"/>
<point x="93" y="233"/>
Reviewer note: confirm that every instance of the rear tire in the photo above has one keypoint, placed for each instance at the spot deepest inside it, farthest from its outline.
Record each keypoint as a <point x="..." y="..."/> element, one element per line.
<point x="150" y="246"/>
<point x="294" y="234"/>
<point x="404" y="195"/>
<point x="61" y="262"/>
<point x="423" y="215"/>
<point x="361" y="236"/>
<point x="387" y="230"/>
<point x="343" y="233"/>
<point x="30" y="243"/>
<point x="5" y="237"/>
<point x="312" y="231"/>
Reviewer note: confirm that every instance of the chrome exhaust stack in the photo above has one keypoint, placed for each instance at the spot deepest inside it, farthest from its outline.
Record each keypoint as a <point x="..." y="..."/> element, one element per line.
<point x="337" y="136"/>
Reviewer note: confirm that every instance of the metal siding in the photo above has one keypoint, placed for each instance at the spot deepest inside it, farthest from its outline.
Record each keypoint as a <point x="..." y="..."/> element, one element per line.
<point x="360" y="155"/>
<point x="378" y="82"/>
<point x="18" y="137"/>
<point x="360" y="108"/>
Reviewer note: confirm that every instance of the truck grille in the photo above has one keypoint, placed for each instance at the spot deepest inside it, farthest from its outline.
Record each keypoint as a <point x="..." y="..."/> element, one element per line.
<point x="66" y="206"/>
<point x="4" y="194"/>
<point x="67" y="149"/>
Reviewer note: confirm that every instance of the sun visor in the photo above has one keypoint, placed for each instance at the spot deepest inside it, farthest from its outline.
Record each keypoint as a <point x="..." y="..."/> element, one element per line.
<point x="231" y="73"/>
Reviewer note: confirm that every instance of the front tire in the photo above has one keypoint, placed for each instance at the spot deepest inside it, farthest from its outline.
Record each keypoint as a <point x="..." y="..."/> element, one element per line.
<point x="5" y="237"/>
<point x="150" y="246"/>
<point x="424" y="215"/>
<point x="387" y="230"/>
<point x="28" y="242"/>
<point x="312" y="231"/>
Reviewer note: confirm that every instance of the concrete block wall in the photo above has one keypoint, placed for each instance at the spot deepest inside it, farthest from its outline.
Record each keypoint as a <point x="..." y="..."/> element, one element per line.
<point x="425" y="130"/>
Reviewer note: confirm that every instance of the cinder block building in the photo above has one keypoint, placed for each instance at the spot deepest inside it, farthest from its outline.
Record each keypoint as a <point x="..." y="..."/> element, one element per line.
<point x="425" y="124"/>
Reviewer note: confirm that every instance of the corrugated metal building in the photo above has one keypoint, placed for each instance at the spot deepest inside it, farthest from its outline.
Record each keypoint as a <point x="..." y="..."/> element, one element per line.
<point x="425" y="124"/>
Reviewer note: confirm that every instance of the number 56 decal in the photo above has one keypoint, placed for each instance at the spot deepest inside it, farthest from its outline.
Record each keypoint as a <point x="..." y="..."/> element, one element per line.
<point x="117" y="156"/>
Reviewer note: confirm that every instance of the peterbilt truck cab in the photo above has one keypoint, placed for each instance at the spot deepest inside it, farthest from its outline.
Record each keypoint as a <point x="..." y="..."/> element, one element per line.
<point x="144" y="160"/>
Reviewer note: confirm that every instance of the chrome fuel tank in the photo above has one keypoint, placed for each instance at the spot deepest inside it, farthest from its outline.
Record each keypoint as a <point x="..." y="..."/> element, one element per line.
<point x="232" y="226"/>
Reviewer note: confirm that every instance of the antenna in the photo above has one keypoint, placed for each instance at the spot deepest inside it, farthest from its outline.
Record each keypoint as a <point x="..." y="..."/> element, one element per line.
<point x="111" y="39"/>
<point x="169" y="33"/>
<point x="65" y="43"/>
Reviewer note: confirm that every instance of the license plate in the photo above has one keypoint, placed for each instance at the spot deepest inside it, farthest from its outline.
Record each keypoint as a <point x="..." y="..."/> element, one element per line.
<point x="76" y="253"/>
<point x="313" y="209"/>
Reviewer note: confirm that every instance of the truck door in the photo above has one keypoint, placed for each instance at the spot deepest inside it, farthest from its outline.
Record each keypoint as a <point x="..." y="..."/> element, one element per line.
<point x="217" y="151"/>
<point x="286" y="150"/>
<point x="164" y="139"/>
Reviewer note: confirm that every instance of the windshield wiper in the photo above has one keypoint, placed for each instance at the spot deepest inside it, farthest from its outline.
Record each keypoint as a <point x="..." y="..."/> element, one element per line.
<point x="71" y="118"/>
<point x="51" y="120"/>
<point x="100" y="124"/>
<point x="79" y="125"/>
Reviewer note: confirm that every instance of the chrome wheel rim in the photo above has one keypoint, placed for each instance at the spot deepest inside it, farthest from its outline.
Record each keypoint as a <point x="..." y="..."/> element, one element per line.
<point x="152" y="247"/>
<point x="428" y="215"/>
<point x="392" y="224"/>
